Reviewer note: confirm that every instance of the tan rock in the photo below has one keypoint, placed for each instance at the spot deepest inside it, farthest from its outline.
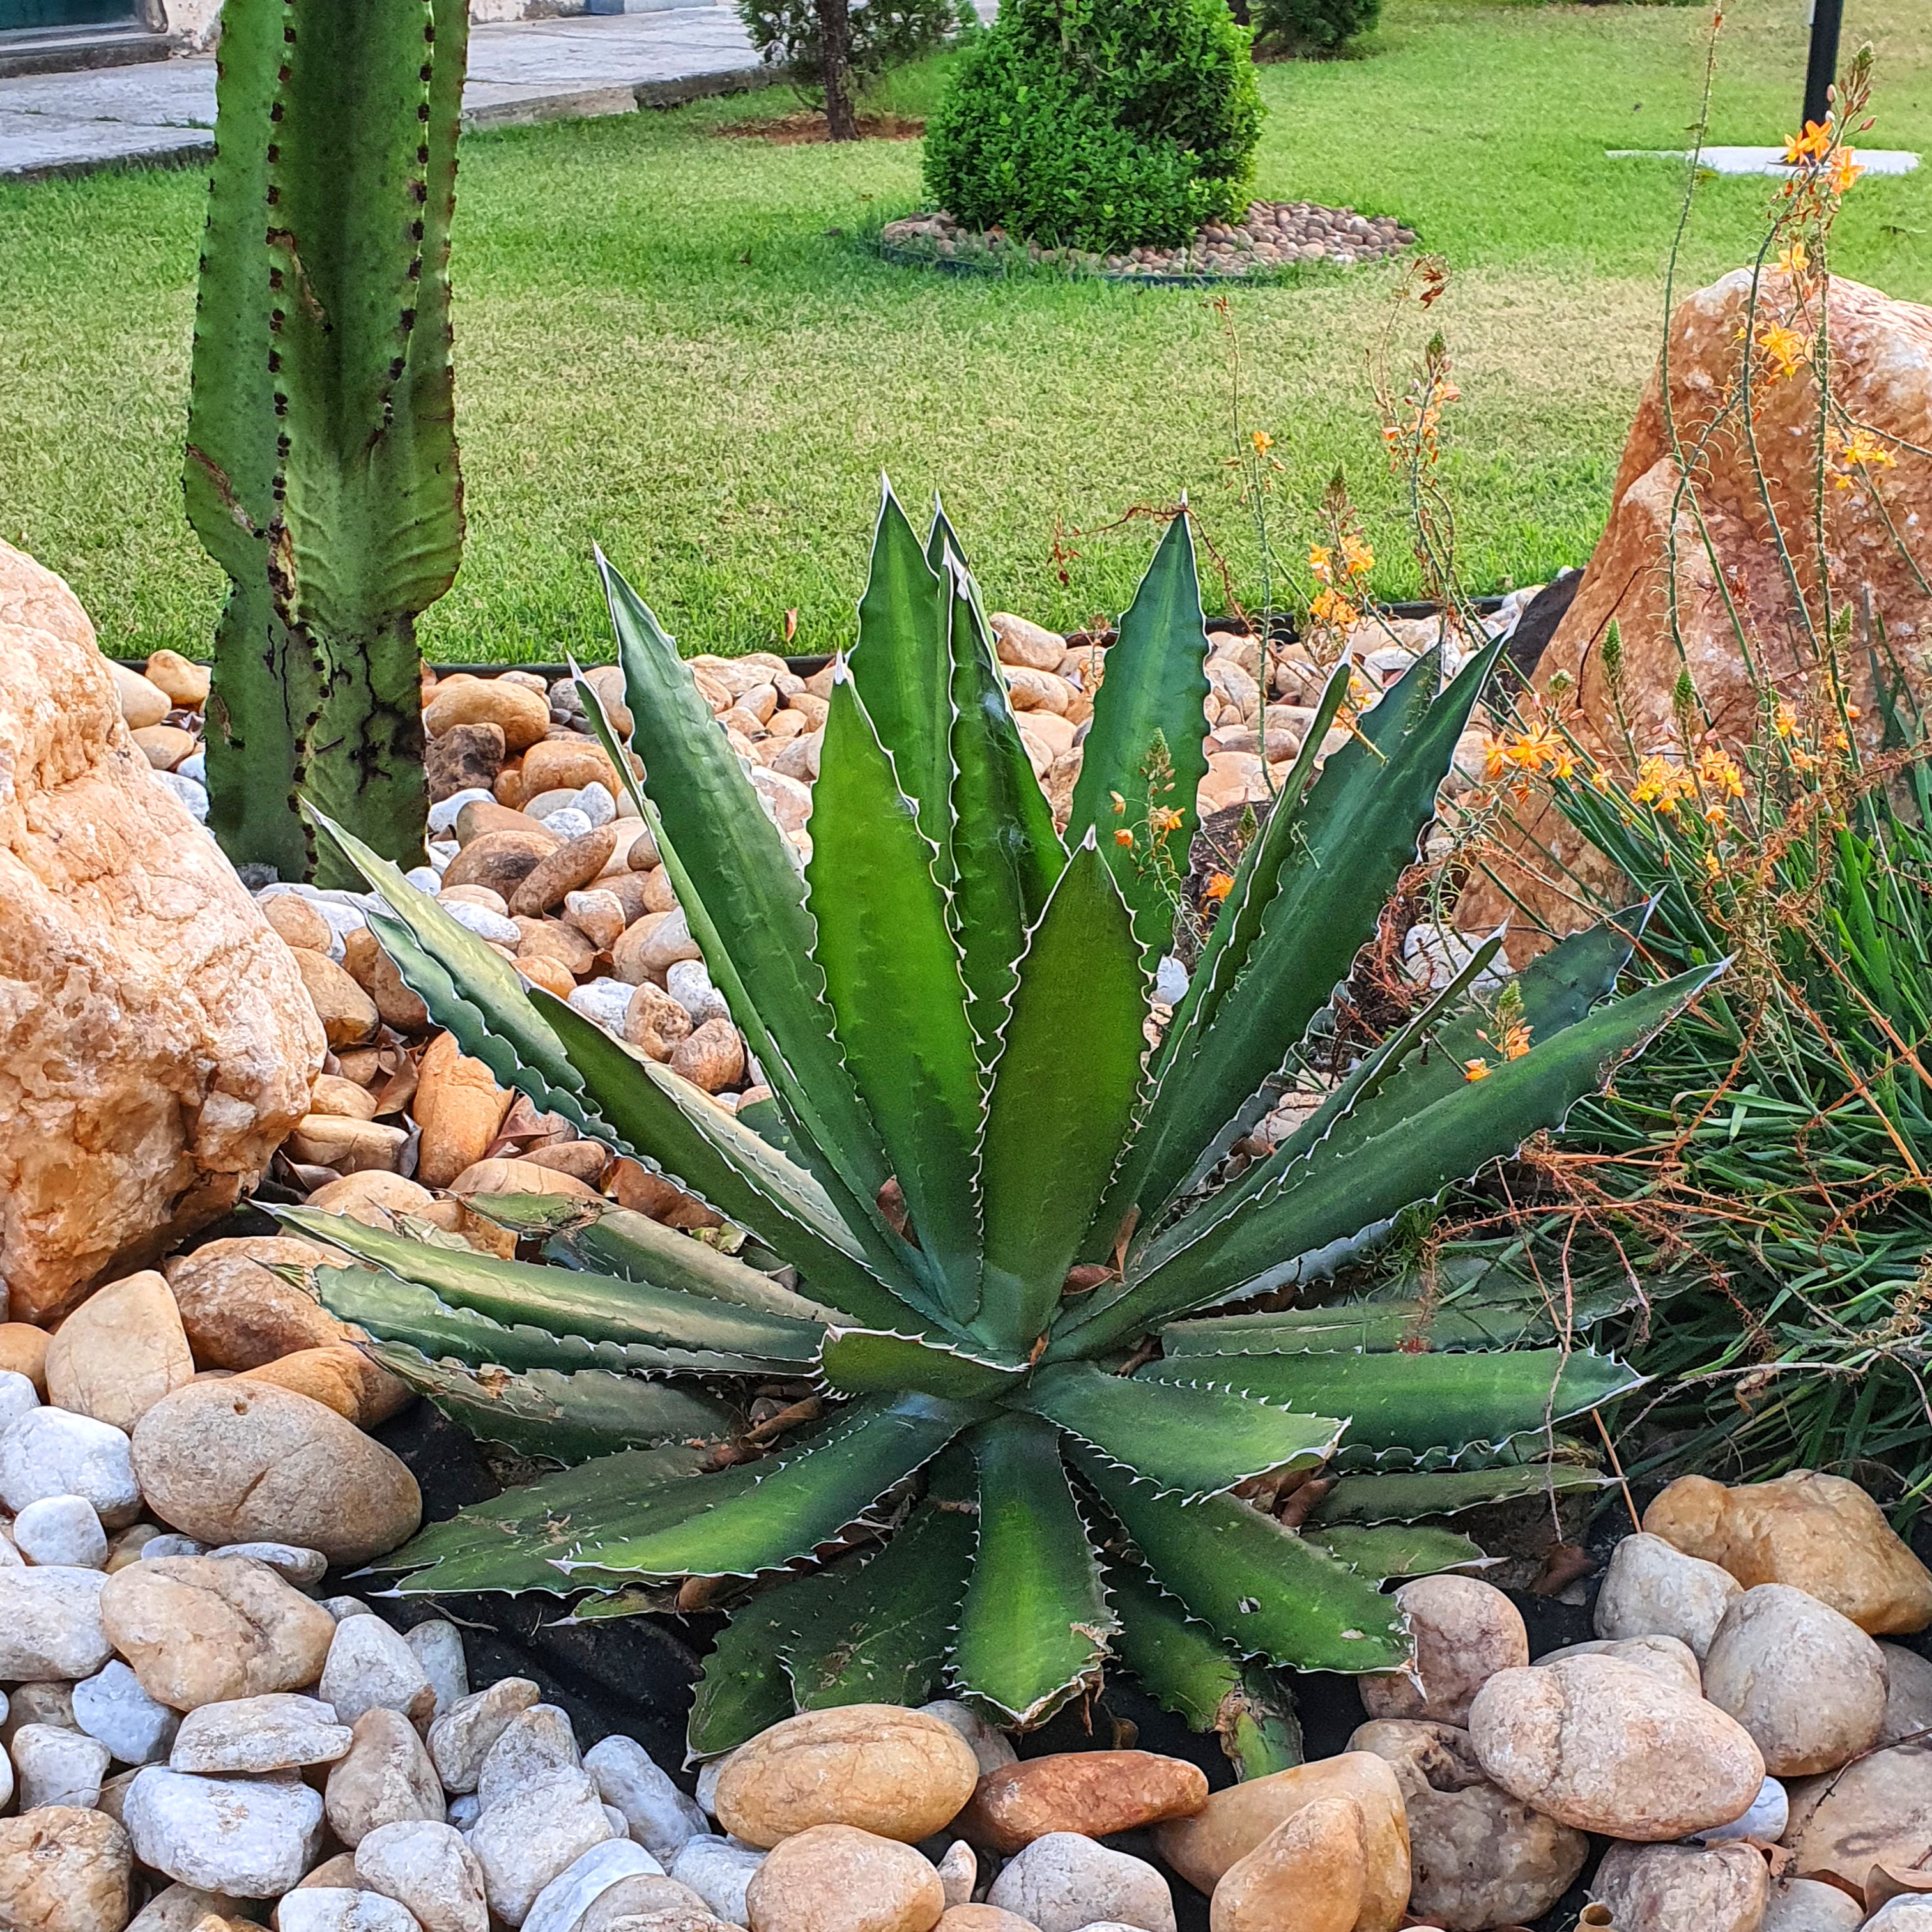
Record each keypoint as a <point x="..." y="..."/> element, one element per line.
<point x="894" y="1773"/>
<point x="120" y="1351"/>
<point x="459" y="1107"/>
<point x="365" y="962"/>
<point x="585" y="1161"/>
<point x="1465" y="1631"/>
<point x="655" y="1021"/>
<point x="1096" y="1793"/>
<point x="459" y="1739"/>
<point x="1021" y="641"/>
<point x="568" y="764"/>
<point x="1658" y="1888"/>
<point x="560" y="873"/>
<point x="373" y="1197"/>
<point x="1477" y="1855"/>
<point x="385" y="1779"/>
<point x="140" y="702"/>
<point x="1908" y="1694"/>
<point x="836" y="1878"/>
<point x="1606" y="1746"/>
<point x="520" y="713"/>
<point x="297" y="922"/>
<point x="657" y="940"/>
<point x="165" y="745"/>
<point x="155" y="1046"/>
<point x="508" y="1175"/>
<point x="1876" y="1812"/>
<point x="1203" y="1849"/>
<point x="245" y="1462"/>
<point x="1653" y="1588"/>
<point x="712" y="1056"/>
<point x="1819" y="1534"/>
<point x="349" y="1146"/>
<point x="181" y="680"/>
<point x="237" y="1313"/>
<point x="341" y="1378"/>
<point x="202" y="1629"/>
<point x="1670" y="1658"/>
<point x="659" y="893"/>
<point x="332" y="1094"/>
<point x="348" y="1015"/>
<point x="599" y="915"/>
<point x="982" y="1919"/>
<point x="1808" y="1684"/>
<point x="23" y="1351"/>
<point x="1310" y="1872"/>
<point x="1881" y="380"/>
<point x="1808" y="1905"/>
<point x="64" y="1869"/>
<point x="337" y="1873"/>
<point x="501" y="860"/>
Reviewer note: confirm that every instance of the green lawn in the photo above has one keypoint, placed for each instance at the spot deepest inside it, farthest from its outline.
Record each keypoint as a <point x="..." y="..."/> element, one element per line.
<point x="677" y="345"/>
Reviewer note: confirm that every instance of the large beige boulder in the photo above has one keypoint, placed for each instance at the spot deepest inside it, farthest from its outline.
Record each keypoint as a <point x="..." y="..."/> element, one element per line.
<point x="1881" y="379"/>
<point x="155" y="1042"/>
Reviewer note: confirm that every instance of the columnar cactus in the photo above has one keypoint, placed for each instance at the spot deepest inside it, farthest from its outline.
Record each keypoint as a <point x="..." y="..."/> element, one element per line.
<point x="321" y="469"/>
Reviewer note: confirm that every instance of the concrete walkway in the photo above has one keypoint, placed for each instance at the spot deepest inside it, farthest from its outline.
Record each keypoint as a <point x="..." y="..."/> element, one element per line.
<point x="521" y="71"/>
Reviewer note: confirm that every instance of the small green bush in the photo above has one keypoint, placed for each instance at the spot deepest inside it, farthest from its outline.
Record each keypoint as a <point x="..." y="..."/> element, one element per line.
<point x="1105" y="124"/>
<point x="884" y="34"/>
<point x="1317" y="26"/>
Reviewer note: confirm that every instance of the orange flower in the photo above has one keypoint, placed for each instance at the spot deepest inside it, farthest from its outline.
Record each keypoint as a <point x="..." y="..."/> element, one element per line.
<point x="1843" y="172"/>
<point x="1784" y="720"/>
<point x="1796" y="259"/>
<point x="1600" y="779"/>
<point x="1516" y="1040"/>
<point x="1864" y="451"/>
<point x="1332" y="607"/>
<point x="1813" y="144"/>
<point x="1219" y="886"/>
<point x="1720" y="772"/>
<point x="1475" y="1069"/>
<point x="1496" y="757"/>
<point x="1784" y="347"/>
<point x="1660" y="784"/>
<point x="1358" y="559"/>
<point x="1124" y="837"/>
<point x="1263" y="442"/>
<point x="1321" y="560"/>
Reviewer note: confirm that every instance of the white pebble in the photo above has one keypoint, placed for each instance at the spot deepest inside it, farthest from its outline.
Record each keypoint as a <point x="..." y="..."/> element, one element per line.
<point x="343" y="1608"/>
<point x="569" y="824"/>
<point x="62" y="1529"/>
<point x="570" y="1894"/>
<point x="596" y="804"/>
<point x="58" y="1766"/>
<point x="1766" y="1821"/>
<point x="251" y="1838"/>
<point x="441" y="851"/>
<point x="189" y="791"/>
<point x="172" y="1545"/>
<point x="17" y="1396"/>
<point x="708" y="1775"/>
<point x="465" y="1808"/>
<point x="658" y="1816"/>
<point x="481" y="921"/>
<point x="442" y="815"/>
<point x="329" y="1908"/>
<point x="1170" y="981"/>
<point x="424" y="878"/>
<point x="534" y="1744"/>
<point x="195" y="766"/>
<point x="52" y="1452"/>
<point x="439" y="1648"/>
<point x="690" y="985"/>
<point x="604" y="1001"/>
<point x="111" y="1705"/>
<point x="719" y="1872"/>
<point x="371" y="1666"/>
<point x="291" y="1560"/>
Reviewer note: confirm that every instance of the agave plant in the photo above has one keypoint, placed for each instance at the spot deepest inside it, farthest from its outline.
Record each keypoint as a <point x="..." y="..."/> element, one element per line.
<point x="1007" y="1215"/>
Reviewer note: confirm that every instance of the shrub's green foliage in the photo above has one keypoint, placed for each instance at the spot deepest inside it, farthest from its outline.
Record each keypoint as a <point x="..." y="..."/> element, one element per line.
<point x="1099" y="123"/>
<point x="321" y="469"/>
<point x="885" y="33"/>
<point x="1316" y="26"/>
<point x="949" y="1000"/>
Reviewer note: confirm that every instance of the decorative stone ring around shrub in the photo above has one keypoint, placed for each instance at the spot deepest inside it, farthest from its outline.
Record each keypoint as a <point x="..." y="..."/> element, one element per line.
<point x="1272" y="236"/>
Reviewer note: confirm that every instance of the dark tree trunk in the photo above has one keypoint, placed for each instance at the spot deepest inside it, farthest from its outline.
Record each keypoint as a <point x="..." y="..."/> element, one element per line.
<point x="835" y="41"/>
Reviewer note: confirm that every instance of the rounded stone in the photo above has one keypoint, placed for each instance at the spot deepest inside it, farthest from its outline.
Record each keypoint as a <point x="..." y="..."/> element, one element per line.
<point x="459" y="1739"/>
<point x="112" y="1707"/>
<point x="385" y="1777"/>
<point x="52" y="1452"/>
<point x="341" y="1908"/>
<point x="1310" y="1872"/>
<point x="238" y="1312"/>
<point x="1093" y="1792"/>
<point x="1465" y="1631"/>
<point x="880" y="1768"/>
<point x="1875" y="1811"/>
<point x="50" y="1625"/>
<point x="278" y="1732"/>
<point x="720" y="1873"/>
<point x="251" y="1840"/>
<point x="62" y="1530"/>
<point x="1806" y="1905"/>
<point x="561" y="1904"/>
<point x="63" y="1868"/>
<point x="371" y="1666"/>
<point x="1670" y="1658"/>
<point x="1807" y="1684"/>
<point x="120" y="1351"/>
<point x="427" y="1868"/>
<point x="1653" y="1588"/>
<point x="657" y="1814"/>
<point x="202" y="1629"/>
<point x="58" y="1766"/>
<point x="1660" y="1888"/>
<point x="991" y="1748"/>
<point x="535" y="1833"/>
<point x="1606" y="1746"/>
<point x="532" y="1744"/>
<point x="836" y="1878"/>
<point x="1061" y="1882"/>
<point x="234" y="1462"/>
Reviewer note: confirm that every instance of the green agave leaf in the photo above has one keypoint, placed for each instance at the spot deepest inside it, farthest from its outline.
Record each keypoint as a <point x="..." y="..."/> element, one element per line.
<point x="740" y="1176"/>
<point x="1396" y="1549"/>
<point x="1356" y="832"/>
<point x="900" y="665"/>
<point x="1063" y="1098"/>
<point x="861" y="1361"/>
<point x="793" y="1503"/>
<point x="1185" y="1668"/>
<point x="744" y="1688"/>
<point x="1356" y="1178"/>
<point x="620" y="1241"/>
<point x="567" y="1301"/>
<point x="398" y="1311"/>
<point x="1378" y="1327"/>
<point x="1259" y="1586"/>
<point x="1198" y="1447"/>
<point x="881" y="1635"/>
<point x="533" y="1217"/>
<point x="892" y="976"/>
<point x="940" y="537"/>
<point x="734" y="875"/>
<point x="1402" y="1496"/>
<point x="1005" y="854"/>
<point x="513" y="1542"/>
<point x="1419" y="1402"/>
<point x="1155" y="684"/>
<point x="562" y="1418"/>
<point x="1035" y="1625"/>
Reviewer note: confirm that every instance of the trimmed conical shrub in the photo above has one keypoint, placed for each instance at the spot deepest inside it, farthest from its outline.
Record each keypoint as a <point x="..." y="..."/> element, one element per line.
<point x="1105" y="124"/>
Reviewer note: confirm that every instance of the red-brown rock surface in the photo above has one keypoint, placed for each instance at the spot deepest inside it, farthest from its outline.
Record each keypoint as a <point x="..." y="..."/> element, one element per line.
<point x="155" y="1042"/>
<point x="1881" y="379"/>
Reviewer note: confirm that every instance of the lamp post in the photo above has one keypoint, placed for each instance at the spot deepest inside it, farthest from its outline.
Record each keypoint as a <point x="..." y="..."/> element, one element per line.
<point x="1821" y="69"/>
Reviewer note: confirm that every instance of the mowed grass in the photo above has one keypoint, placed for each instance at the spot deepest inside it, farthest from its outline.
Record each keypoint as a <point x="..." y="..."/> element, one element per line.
<point x="678" y="345"/>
